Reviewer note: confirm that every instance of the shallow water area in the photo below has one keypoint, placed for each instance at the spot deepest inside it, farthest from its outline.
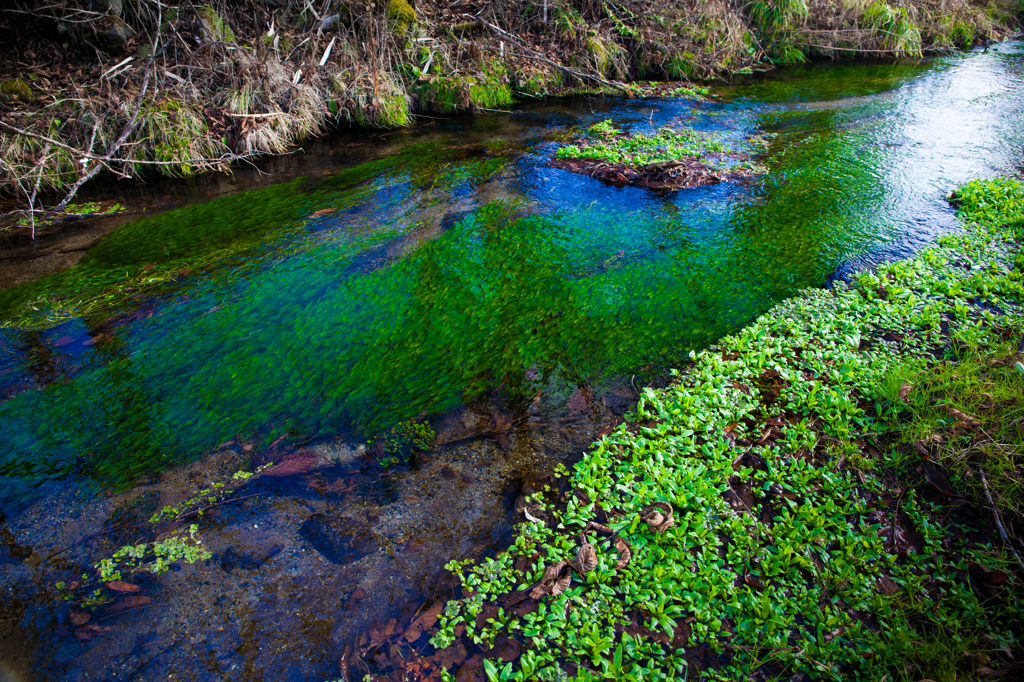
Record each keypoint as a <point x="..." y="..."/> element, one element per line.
<point x="448" y="277"/>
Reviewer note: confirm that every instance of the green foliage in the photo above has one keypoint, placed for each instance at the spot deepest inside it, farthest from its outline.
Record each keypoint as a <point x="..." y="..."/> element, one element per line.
<point x="667" y="144"/>
<point x="969" y="383"/>
<point x="775" y="19"/>
<point x="215" y="25"/>
<point x="895" y="30"/>
<point x="404" y="440"/>
<point x="1000" y="200"/>
<point x="154" y="557"/>
<point x="604" y="128"/>
<point x="775" y="16"/>
<point x="204" y="499"/>
<point x="816" y="586"/>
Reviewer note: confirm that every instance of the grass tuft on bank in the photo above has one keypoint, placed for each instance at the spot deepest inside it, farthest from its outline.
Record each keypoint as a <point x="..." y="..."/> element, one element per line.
<point x="818" y="496"/>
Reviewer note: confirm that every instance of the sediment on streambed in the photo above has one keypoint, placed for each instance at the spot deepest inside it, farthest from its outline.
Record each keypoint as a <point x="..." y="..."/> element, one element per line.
<point x="832" y="493"/>
<point x="181" y="88"/>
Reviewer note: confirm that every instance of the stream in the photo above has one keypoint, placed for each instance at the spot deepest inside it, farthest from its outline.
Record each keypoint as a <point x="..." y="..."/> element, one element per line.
<point x="311" y="314"/>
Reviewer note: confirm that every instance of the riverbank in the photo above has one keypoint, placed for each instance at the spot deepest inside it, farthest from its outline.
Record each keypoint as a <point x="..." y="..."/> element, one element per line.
<point x="822" y="495"/>
<point x="182" y="89"/>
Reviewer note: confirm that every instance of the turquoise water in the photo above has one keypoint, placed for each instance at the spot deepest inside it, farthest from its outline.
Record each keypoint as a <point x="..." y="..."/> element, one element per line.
<point x="465" y="267"/>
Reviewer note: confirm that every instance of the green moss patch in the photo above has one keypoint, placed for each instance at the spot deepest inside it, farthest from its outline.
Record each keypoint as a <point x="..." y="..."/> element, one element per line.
<point x="16" y="88"/>
<point x="670" y="159"/>
<point x="765" y="515"/>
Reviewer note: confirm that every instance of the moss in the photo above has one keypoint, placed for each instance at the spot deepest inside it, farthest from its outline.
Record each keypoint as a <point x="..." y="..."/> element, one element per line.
<point x="402" y="14"/>
<point x="451" y="94"/>
<point x="16" y="88"/>
<point x="608" y="56"/>
<point x="214" y="25"/>
<point x="539" y="83"/>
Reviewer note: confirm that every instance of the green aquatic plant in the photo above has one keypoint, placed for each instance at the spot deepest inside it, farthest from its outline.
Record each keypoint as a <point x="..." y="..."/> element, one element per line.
<point x="154" y="557"/>
<point x="204" y="499"/>
<point x="404" y="440"/>
<point x="783" y="546"/>
<point x="668" y="144"/>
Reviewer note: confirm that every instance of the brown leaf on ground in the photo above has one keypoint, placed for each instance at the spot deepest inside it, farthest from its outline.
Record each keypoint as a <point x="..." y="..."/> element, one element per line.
<point x="322" y="211"/>
<point x="505" y="648"/>
<point x="423" y="622"/>
<point x="887" y="586"/>
<point x="131" y="602"/>
<point x="450" y="657"/>
<point x="625" y="553"/>
<point x="89" y="631"/>
<point x="938" y="480"/>
<point x="556" y="580"/>
<point x="580" y="400"/>
<point x="993" y="577"/>
<point x="962" y="417"/>
<point x="905" y="391"/>
<point x="586" y="559"/>
<point x="121" y="586"/>
<point x="753" y="582"/>
<point x="293" y="464"/>
<point x="658" y="516"/>
<point x="79" y="618"/>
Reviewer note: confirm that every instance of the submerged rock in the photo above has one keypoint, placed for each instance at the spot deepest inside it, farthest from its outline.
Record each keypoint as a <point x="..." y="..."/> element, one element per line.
<point x="340" y="539"/>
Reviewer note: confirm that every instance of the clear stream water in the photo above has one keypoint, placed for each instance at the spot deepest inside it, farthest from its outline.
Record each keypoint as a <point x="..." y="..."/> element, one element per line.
<point x="458" y="270"/>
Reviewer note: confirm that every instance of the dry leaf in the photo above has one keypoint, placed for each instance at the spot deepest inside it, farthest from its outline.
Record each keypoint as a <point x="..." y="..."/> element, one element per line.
<point x="625" y="553"/>
<point x="938" y="479"/>
<point x="905" y="391"/>
<point x="887" y="586"/>
<point x="586" y="559"/>
<point x="121" y="586"/>
<point x="555" y="581"/>
<point x="78" y="618"/>
<point x="658" y="516"/>
<point x="423" y="622"/>
<point x="753" y="582"/>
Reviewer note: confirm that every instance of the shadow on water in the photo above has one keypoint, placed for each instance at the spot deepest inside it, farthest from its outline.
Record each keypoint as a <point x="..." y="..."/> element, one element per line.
<point x="457" y="279"/>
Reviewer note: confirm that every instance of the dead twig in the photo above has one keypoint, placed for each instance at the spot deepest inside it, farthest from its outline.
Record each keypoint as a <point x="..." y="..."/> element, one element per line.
<point x="999" y="522"/>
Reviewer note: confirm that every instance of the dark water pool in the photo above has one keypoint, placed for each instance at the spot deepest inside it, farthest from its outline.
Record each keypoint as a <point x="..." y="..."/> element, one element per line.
<point x="454" y="277"/>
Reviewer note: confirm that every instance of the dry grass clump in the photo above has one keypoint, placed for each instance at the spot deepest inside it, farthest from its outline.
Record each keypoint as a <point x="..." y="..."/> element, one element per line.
<point x="183" y="87"/>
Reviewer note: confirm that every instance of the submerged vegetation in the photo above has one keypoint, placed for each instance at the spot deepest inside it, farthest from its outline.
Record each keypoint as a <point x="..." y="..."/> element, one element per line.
<point x="824" y="493"/>
<point x="184" y="88"/>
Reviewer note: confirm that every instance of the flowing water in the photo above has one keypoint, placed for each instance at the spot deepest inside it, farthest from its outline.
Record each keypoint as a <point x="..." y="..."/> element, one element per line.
<point x="447" y="275"/>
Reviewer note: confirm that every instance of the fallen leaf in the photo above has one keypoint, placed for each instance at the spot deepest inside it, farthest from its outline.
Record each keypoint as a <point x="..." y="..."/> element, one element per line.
<point x="555" y="581"/>
<point x="79" y="618"/>
<point x="905" y="391"/>
<point x="323" y="211"/>
<point x="658" y="516"/>
<point x="586" y="559"/>
<point x="423" y="622"/>
<point x="753" y="582"/>
<point x="121" y="586"/>
<point x="938" y="479"/>
<point x="132" y="602"/>
<point x="625" y="553"/>
<point x="887" y="586"/>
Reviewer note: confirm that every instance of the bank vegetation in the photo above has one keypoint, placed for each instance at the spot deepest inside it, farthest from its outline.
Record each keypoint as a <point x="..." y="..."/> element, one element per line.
<point x="127" y="86"/>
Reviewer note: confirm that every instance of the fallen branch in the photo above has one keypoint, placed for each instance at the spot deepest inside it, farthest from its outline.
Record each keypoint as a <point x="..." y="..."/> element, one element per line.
<point x="100" y="164"/>
<point x="999" y="522"/>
